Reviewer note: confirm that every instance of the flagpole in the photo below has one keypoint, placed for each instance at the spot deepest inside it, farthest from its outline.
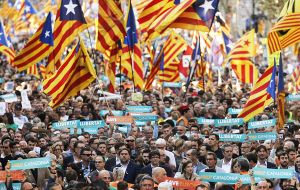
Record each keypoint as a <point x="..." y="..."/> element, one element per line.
<point x="132" y="68"/>
<point x="120" y="67"/>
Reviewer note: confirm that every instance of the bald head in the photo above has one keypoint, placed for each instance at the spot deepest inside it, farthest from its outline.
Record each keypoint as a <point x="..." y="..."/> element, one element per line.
<point x="158" y="174"/>
<point x="105" y="176"/>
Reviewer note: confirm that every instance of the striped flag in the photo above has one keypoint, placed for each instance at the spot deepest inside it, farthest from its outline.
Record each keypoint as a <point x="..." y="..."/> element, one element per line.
<point x="4" y="44"/>
<point x="43" y="70"/>
<point x="26" y="12"/>
<point x="170" y="72"/>
<point x="140" y="5"/>
<point x="295" y="77"/>
<point x="37" y="48"/>
<point x="109" y="26"/>
<point x="69" y="23"/>
<point x="132" y="64"/>
<point x="173" y="46"/>
<point x="33" y="70"/>
<point x="281" y="96"/>
<point x="110" y="67"/>
<point x="262" y="94"/>
<point x="75" y="74"/>
<point x="199" y="16"/>
<point x="246" y="71"/>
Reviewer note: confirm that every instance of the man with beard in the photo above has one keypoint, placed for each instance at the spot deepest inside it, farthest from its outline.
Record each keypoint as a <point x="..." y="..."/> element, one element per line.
<point x="283" y="160"/>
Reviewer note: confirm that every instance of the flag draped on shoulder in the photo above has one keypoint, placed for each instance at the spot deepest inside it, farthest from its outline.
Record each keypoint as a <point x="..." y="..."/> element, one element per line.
<point x="281" y="96"/>
<point x="4" y="44"/>
<point x="69" y="23"/>
<point x="132" y="64"/>
<point x="109" y="26"/>
<point x="75" y="74"/>
<point x="262" y="94"/>
<point x="37" y="48"/>
<point x="286" y="31"/>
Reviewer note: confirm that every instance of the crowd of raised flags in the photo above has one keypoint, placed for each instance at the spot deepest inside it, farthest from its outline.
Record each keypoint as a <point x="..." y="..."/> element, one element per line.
<point x="171" y="48"/>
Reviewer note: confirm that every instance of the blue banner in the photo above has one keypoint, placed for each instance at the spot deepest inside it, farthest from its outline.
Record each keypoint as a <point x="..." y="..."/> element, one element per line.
<point x="91" y="130"/>
<point x="261" y="124"/>
<point x="16" y="186"/>
<point x="149" y="117"/>
<point x="65" y="124"/>
<point x="228" y="122"/>
<point x="232" y="137"/>
<point x="293" y="97"/>
<point x="273" y="173"/>
<point x="204" y="121"/>
<point x="140" y="123"/>
<point x="226" y="178"/>
<point x="31" y="163"/>
<point x="9" y="98"/>
<point x="168" y="110"/>
<point x="114" y="112"/>
<point x="172" y="84"/>
<point x="96" y="123"/>
<point x="139" y="109"/>
<point x="262" y="136"/>
<point x="234" y="111"/>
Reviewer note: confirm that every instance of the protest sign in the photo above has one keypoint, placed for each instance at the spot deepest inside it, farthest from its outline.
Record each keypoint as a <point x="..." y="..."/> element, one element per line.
<point x="138" y="97"/>
<point x="226" y="178"/>
<point x="123" y="120"/>
<point x="228" y="122"/>
<point x="172" y="84"/>
<point x="2" y="108"/>
<point x="96" y="123"/>
<point x="65" y="124"/>
<point x="114" y="112"/>
<point x="9" y="98"/>
<point x="261" y="124"/>
<point x="273" y="173"/>
<point x="262" y="136"/>
<point x="232" y="137"/>
<point x="205" y="121"/>
<point x="31" y="163"/>
<point x="16" y="186"/>
<point x="293" y="97"/>
<point x="144" y="116"/>
<point x="25" y="101"/>
<point x="182" y="183"/>
<point x="139" y="109"/>
<point x="9" y="86"/>
<point x="16" y="175"/>
<point x="234" y="111"/>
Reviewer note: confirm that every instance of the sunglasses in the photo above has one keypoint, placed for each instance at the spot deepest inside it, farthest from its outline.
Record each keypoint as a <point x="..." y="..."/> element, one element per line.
<point x="87" y="154"/>
<point x="129" y="140"/>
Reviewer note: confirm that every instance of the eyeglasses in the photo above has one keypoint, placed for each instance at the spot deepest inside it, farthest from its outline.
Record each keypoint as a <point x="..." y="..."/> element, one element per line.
<point x="5" y="147"/>
<point x="129" y="140"/>
<point x="87" y="154"/>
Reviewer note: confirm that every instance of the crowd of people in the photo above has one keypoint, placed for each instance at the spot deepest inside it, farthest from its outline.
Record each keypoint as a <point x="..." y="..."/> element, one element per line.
<point x="174" y="146"/>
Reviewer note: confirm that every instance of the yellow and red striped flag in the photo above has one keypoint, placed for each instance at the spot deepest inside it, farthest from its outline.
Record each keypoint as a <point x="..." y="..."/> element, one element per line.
<point x="246" y="71"/>
<point x="110" y="67"/>
<point x="4" y="44"/>
<point x="33" y="70"/>
<point x="37" y="48"/>
<point x="69" y="23"/>
<point x="262" y="94"/>
<point x="140" y="5"/>
<point x="110" y="25"/>
<point x="281" y="96"/>
<point x="170" y="72"/>
<point x="75" y="74"/>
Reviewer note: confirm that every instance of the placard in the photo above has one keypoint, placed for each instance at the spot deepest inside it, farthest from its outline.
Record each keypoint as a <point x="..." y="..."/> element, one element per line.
<point x="139" y="109"/>
<point x="144" y="117"/>
<point x="137" y="97"/>
<point x="226" y="178"/>
<point x="114" y="112"/>
<point x="232" y="137"/>
<point x="262" y="136"/>
<point x="65" y="124"/>
<point x="261" y="124"/>
<point x="273" y="173"/>
<point x="16" y="175"/>
<point x="234" y="111"/>
<point x="182" y="183"/>
<point x="205" y="121"/>
<point x="9" y="98"/>
<point x="172" y="84"/>
<point x="123" y="120"/>
<point x="293" y="97"/>
<point x="228" y="122"/>
<point x="2" y="108"/>
<point x="31" y="163"/>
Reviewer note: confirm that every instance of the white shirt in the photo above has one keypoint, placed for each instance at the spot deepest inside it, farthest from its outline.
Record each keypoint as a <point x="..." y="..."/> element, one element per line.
<point x="172" y="157"/>
<point x="20" y="120"/>
<point x="124" y="167"/>
<point x="259" y="165"/>
<point x="226" y="167"/>
<point x="64" y="118"/>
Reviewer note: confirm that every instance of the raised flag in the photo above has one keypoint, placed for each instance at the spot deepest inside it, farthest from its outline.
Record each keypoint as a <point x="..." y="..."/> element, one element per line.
<point x="261" y="95"/>
<point x="37" y="48"/>
<point x="132" y="55"/>
<point x="246" y="71"/>
<point x="43" y="70"/>
<point x="33" y="70"/>
<point x="281" y="96"/>
<point x="228" y="44"/>
<point x="111" y="67"/>
<point x="26" y="12"/>
<point x="69" y="23"/>
<point x="199" y="16"/>
<point x="185" y="61"/>
<point x="170" y="72"/>
<point x="4" y="44"/>
<point x="75" y="74"/>
<point x="109" y="25"/>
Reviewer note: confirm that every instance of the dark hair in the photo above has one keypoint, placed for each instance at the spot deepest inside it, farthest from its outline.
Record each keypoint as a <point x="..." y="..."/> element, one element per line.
<point x="122" y="185"/>
<point x="251" y="157"/>
<point x="76" y="143"/>
<point x="184" y="165"/>
<point x="153" y="153"/>
<point x="85" y="149"/>
<point x="123" y="150"/>
<point x="261" y="147"/>
<point x="212" y="154"/>
<point x="216" y="135"/>
<point x="282" y="153"/>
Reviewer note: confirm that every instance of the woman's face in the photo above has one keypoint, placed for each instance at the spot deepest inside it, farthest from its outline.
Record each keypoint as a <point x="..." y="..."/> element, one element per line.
<point x="189" y="168"/>
<point x="236" y="168"/>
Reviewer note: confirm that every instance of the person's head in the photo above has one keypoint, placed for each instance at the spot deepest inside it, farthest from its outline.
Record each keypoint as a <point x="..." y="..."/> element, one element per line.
<point x="203" y="186"/>
<point x="167" y="130"/>
<point x="31" y="143"/>
<point x="86" y="154"/>
<point x="288" y="145"/>
<point x="105" y="176"/>
<point x="94" y="143"/>
<point x="292" y="155"/>
<point x="187" y="167"/>
<point x="297" y="163"/>
<point x="102" y="148"/>
<point x="3" y="131"/>
<point x="181" y="130"/>
<point x="154" y="157"/>
<point x="78" y="145"/>
<point x="158" y="174"/>
<point x="263" y="185"/>
<point x="203" y="149"/>
<point x="118" y="174"/>
<point x="235" y="166"/>
<point x="192" y="155"/>
<point x="252" y="158"/>
<point x="146" y="156"/>
<point x="211" y="160"/>
<point x="213" y="140"/>
<point x="122" y="185"/>
<point x="148" y="131"/>
<point x="18" y="136"/>
<point x="124" y="156"/>
<point x="283" y="159"/>
<point x="161" y="144"/>
<point x="99" y="162"/>
<point x="130" y="140"/>
<point x="245" y="148"/>
<point x="146" y="183"/>
<point x="227" y="151"/>
<point x="28" y="186"/>
<point x="262" y="152"/>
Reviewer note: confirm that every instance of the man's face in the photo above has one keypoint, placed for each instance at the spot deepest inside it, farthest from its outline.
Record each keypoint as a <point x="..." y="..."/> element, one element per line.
<point x="203" y="151"/>
<point x="263" y="186"/>
<point x="167" y="131"/>
<point x="292" y="156"/>
<point x="245" y="148"/>
<point x="86" y="156"/>
<point x="4" y="131"/>
<point x="6" y="149"/>
<point x="155" y="160"/>
<point x="124" y="156"/>
<point x="31" y="145"/>
<point x="78" y="148"/>
<point x="212" y="141"/>
<point x="18" y="137"/>
<point x="147" y="185"/>
<point x="210" y="161"/>
<point x="105" y="176"/>
<point x="262" y="154"/>
<point x="102" y="149"/>
<point x="145" y="157"/>
<point x="181" y="130"/>
<point x="99" y="163"/>
<point x="284" y="161"/>
<point x="228" y="152"/>
<point x="43" y="142"/>
<point x="190" y="155"/>
<point x="149" y="133"/>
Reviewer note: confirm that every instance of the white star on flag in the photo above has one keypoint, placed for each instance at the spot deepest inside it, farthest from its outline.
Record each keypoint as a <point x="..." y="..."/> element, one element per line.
<point x="230" y="45"/>
<point x="47" y="34"/>
<point x="207" y="5"/>
<point x="27" y="9"/>
<point x="71" y="7"/>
